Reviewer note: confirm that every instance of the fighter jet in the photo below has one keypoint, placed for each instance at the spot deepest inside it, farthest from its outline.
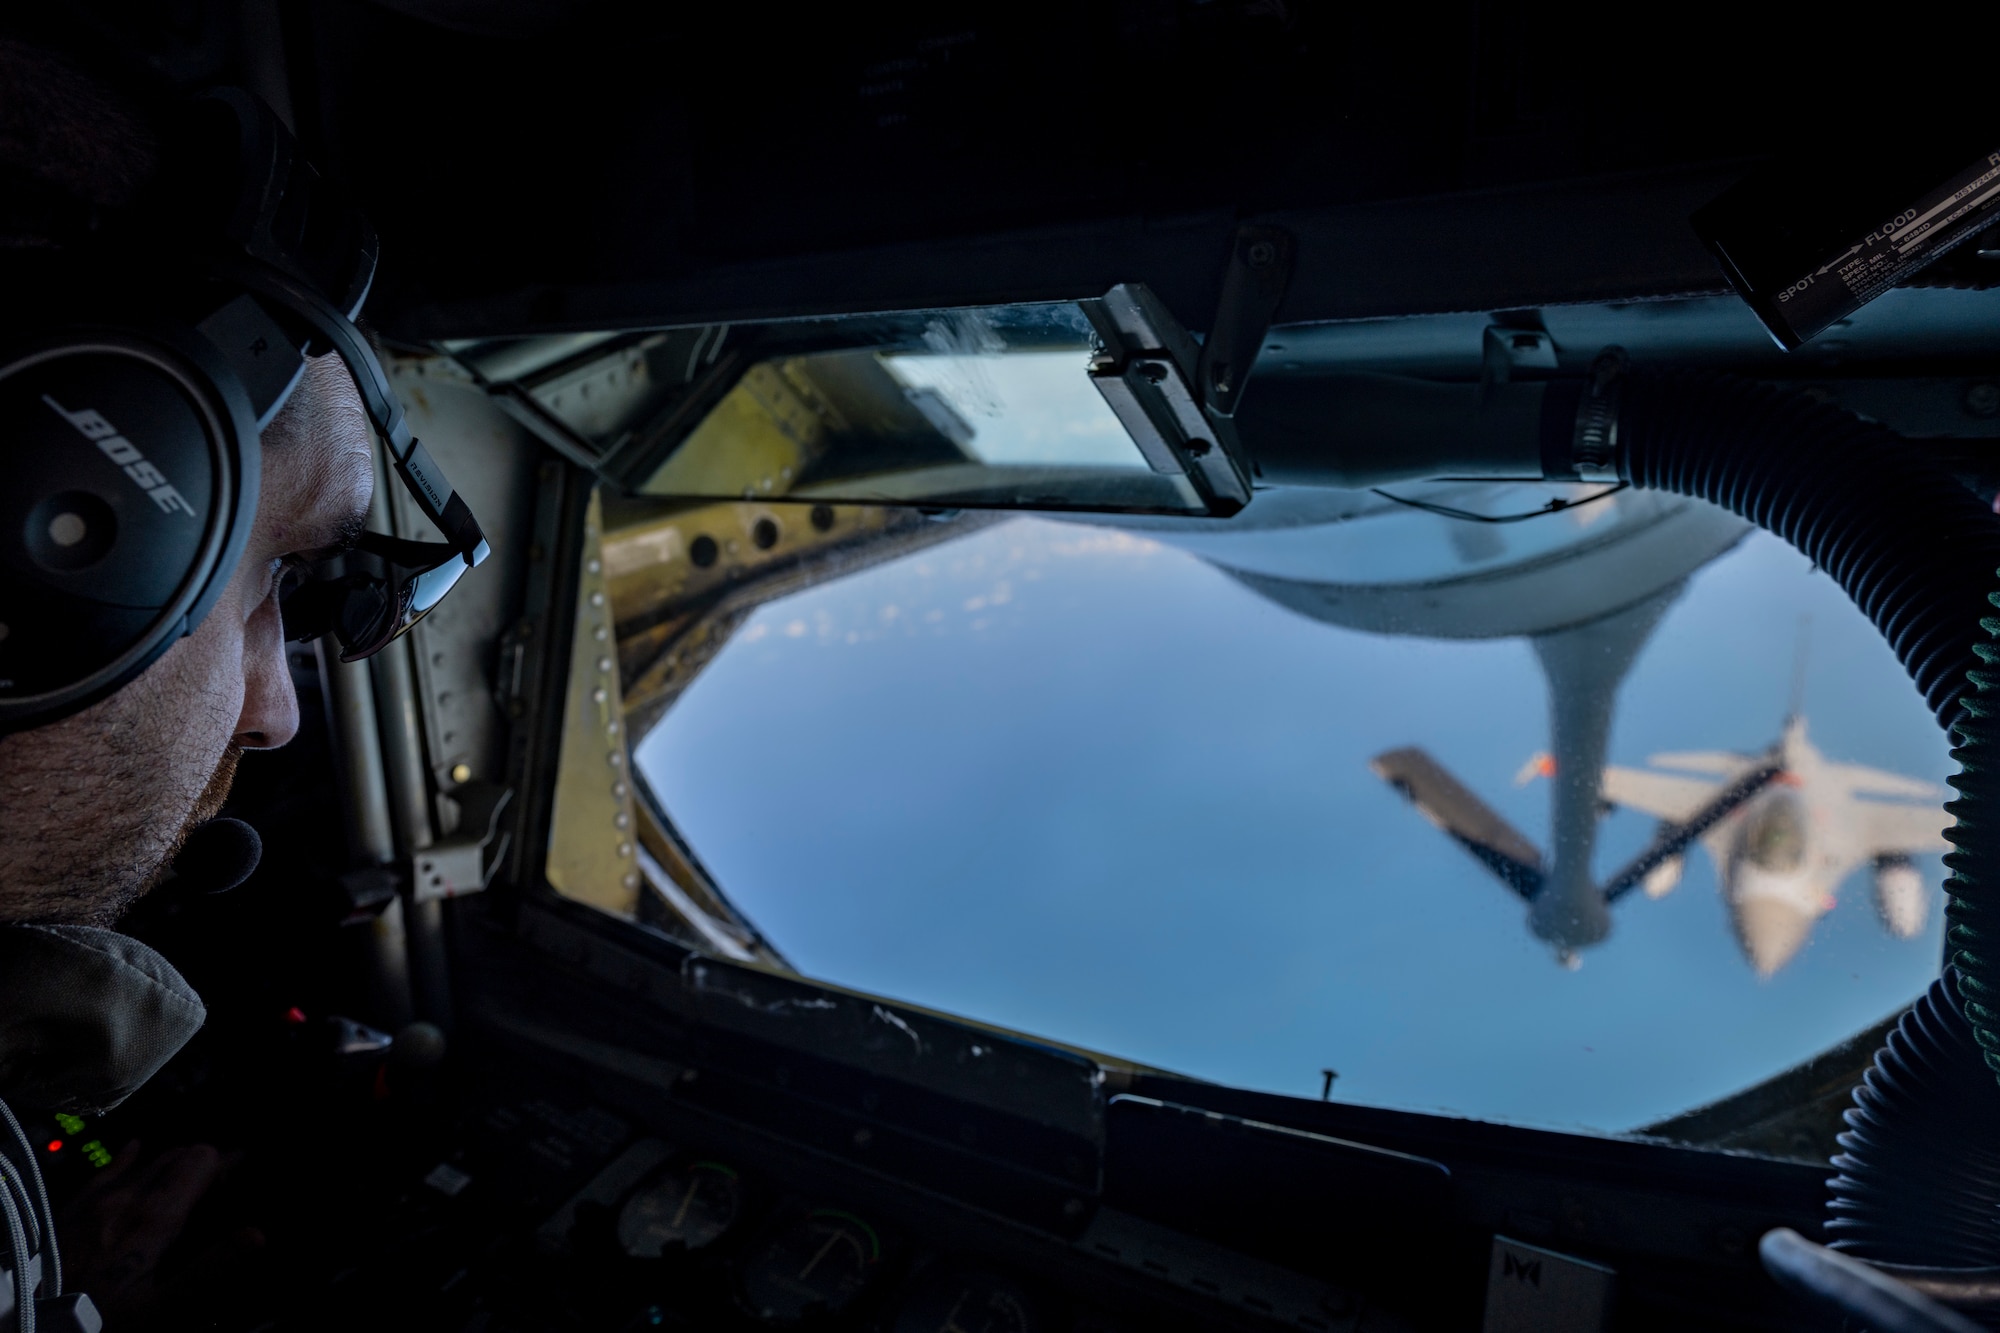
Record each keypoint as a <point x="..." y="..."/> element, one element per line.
<point x="1784" y="827"/>
<point x="1782" y="852"/>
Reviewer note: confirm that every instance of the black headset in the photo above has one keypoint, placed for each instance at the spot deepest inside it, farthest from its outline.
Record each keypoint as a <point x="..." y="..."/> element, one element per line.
<point x="137" y="368"/>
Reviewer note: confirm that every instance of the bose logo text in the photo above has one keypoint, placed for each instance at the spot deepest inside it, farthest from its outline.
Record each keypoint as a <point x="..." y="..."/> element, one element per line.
<point x="125" y="454"/>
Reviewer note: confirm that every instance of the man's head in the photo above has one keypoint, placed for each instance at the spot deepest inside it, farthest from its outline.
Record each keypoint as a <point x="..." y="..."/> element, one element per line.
<point x="93" y="807"/>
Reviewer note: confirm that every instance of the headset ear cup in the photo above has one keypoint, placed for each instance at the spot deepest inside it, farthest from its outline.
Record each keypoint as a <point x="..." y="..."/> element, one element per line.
<point x="128" y="484"/>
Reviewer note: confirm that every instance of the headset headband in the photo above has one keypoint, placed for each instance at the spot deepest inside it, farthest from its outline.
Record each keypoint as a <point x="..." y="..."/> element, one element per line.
<point x="419" y="471"/>
<point x="298" y="243"/>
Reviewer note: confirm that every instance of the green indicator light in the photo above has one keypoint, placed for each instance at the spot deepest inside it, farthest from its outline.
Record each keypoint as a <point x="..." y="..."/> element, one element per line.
<point x="97" y="1154"/>
<point x="70" y="1124"/>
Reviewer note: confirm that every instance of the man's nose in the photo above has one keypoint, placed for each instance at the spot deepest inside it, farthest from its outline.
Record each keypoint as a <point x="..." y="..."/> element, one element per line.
<point x="270" y="716"/>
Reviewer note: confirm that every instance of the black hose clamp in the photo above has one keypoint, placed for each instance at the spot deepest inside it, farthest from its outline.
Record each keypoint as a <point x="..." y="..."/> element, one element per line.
<point x="1594" y="445"/>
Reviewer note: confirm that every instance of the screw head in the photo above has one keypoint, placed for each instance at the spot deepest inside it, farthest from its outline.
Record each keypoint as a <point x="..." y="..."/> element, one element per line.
<point x="1260" y="254"/>
<point x="1983" y="399"/>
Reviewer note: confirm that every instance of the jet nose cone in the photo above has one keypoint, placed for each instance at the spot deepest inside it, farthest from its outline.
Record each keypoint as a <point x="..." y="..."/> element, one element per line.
<point x="1772" y="930"/>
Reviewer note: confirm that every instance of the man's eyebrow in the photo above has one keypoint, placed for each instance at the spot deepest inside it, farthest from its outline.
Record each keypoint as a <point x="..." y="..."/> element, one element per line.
<point x="336" y="537"/>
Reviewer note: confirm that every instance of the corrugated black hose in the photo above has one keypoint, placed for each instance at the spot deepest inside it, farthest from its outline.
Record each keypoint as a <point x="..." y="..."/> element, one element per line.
<point x="1918" y="1178"/>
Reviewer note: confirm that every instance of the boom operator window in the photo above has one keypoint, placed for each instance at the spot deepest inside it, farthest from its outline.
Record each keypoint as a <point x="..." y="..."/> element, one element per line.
<point x="1258" y="802"/>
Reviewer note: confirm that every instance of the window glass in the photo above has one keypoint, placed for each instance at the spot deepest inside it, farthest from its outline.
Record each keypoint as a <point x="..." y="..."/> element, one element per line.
<point x="977" y="407"/>
<point x="1582" y="821"/>
<point x="1032" y="407"/>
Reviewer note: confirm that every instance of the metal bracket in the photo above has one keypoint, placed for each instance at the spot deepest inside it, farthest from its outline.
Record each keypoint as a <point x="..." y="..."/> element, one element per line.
<point x="1253" y="286"/>
<point x="1146" y="373"/>
<point x="1515" y="340"/>
<point x="458" y="865"/>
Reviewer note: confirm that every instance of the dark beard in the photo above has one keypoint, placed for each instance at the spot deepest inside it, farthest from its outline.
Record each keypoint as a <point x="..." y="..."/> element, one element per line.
<point x="94" y="808"/>
<point x="206" y="807"/>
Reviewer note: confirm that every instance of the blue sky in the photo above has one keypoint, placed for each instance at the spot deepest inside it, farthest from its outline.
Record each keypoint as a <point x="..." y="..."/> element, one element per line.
<point x="1078" y="782"/>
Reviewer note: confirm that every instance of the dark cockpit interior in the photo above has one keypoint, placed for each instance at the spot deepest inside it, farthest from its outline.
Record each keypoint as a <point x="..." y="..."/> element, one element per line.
<point x="1122" y="666"/>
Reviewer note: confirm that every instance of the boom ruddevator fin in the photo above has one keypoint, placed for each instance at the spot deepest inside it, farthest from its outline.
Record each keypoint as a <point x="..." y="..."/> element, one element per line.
<point x="1473" y="824"/>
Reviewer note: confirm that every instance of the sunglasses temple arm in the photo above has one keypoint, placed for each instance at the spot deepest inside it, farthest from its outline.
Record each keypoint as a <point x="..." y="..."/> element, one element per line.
<point x="440" y="503"/>
<point x="419" y="471"/>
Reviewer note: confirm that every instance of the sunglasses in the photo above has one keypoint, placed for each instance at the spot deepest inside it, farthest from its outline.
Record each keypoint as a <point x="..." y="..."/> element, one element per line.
<point x="369" y="595"/>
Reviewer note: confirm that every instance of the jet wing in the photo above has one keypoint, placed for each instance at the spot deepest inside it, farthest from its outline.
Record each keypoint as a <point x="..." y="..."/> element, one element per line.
<point x="1913" y="829"/>
<point x="1667" y="795"/>
<point x="1874" y="782"/>
<point x="1474" y="825"/>
<point x="1721" y="764"/>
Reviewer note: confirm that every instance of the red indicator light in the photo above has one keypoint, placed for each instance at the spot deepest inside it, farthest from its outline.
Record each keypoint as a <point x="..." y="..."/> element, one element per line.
<point x="295" y="1015"/>
<point x="55" y="1145"/>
